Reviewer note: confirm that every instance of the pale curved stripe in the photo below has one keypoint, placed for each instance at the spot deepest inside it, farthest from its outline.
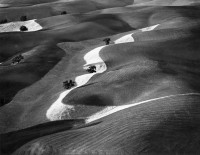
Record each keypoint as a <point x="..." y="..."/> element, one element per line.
<point x="93" y="57"/>
<point x="58" y="109"/>
<point x="129" y="38"/>
<point x="125" y="39"/>
<point x="150" y="28"/>
<point x="113" y="109"/>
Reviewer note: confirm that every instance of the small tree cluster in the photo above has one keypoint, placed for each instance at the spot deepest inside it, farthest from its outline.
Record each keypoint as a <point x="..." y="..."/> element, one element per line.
<point x="68" y="84"/>
<point x="23" y="28"/>
<point x="92" y="69"/>
<point x="17" y="59"/>
<point x="107" y="41"/>
<point x="63" y="13"/>
<point x="3" y="21"/>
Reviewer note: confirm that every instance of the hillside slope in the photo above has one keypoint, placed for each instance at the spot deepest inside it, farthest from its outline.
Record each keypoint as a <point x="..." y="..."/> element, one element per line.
<point x="141" y="97"/>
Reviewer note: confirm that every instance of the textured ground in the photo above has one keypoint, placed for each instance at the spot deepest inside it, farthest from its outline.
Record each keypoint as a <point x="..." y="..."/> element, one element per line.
<point x="143" y="98"/>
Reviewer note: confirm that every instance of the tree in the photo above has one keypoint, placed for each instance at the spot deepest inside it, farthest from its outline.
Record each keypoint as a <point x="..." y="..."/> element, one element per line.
<point x="68" y="84"/>
<point x="3" y="21"/>
<point x="92" y="69"/>
<point x="63" y="13"/>
<point x="23" y="18"/>
<point x="17" y="59"/>
<point x="107" y="41"/>
<point x="23" y="28"/>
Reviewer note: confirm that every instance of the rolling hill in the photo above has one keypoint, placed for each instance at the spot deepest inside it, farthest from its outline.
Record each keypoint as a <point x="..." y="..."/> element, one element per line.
<point x="130" y="71"/>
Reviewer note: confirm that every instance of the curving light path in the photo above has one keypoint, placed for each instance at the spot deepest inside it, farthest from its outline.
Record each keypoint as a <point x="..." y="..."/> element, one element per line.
<point x="113" y="109"/>
<point x="125" y="39"/>
<point x="59" y="110"/>
<point x="150" y="28"/>
<point x="128" y="38"/>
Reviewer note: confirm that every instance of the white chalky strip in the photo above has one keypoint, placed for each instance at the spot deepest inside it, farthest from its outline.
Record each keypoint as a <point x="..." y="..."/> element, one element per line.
<point x="59" y="109"/>
<point x="113" y="109"/>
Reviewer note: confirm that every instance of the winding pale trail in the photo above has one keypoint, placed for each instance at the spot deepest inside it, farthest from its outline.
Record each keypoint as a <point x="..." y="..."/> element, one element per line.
<point x="59" y="110"/>
<point x="125" y="39"/>
<point x="113" y="109"/>
<point x="150" y="28"/>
